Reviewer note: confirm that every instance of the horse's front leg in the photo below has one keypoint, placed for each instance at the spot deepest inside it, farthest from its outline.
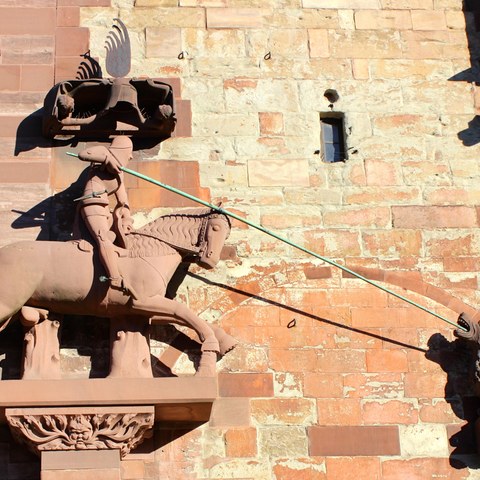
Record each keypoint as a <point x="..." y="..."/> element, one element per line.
<point x="179" y="313"/>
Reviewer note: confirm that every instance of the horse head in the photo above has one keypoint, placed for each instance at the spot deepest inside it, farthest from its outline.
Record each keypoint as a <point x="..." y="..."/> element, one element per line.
<point x="214" y="232"/>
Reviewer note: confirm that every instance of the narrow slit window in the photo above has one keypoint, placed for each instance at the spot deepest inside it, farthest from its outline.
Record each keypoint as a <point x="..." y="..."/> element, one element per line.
<point x="333" y="138"/>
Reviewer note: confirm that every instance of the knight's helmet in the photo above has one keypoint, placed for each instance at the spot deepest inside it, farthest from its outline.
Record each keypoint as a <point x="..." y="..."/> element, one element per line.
<point x="122" y="148"/>
<point x="123" y="97"/>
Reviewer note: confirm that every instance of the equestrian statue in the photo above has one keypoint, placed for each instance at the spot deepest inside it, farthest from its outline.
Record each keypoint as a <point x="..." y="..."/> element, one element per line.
<point x="112" y="270"/>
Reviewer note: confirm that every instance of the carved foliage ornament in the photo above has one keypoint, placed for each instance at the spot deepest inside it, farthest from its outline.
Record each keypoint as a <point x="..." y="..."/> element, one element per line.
<point x="98" y="431"/>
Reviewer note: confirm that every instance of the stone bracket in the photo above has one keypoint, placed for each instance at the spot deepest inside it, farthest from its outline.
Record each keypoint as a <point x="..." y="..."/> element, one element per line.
<point x="81" y="428"/>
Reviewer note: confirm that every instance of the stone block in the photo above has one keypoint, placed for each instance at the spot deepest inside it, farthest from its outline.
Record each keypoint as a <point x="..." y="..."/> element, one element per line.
<point x="350" y="4"/>
<point x="423" y="440"/>
<point x="271" y="123"/>
<point x="132" y="469"/>
<point x="163" y="42"/>
<point x="225" y="125"/>
<point x="66" y="67"/>
<point x="283" y="441"/>
<point x="382" y="19"/>
<point x="9" y="125"/>
<point x="281" y="172"/>
<point x="24" y="172"/>
<point x="434" y="217"/>
<point x="404" y="68"/>
<point x="160" y="3"/>
<point x="397" y="242"/>
<point x="10" y="77"/>
<point x="373" y="217"/>
<point x="353" y="441"/>
<point x="27" y="21"/>
<point x="408" y="4"/>
<point x="248" y="468"/>
<point x="85" y="3"/>
<point x="241" y="442"/>
<point x="455" y="19"/>
<point x="387" y="361"/>
<point x="202" y="3"/>
<point x="68" y="16"/>
<point x="37" y="78"/>
<point x="324" y="385"/>
<point x="360" y="69"/>
<point x="382" y="173"/>
<point x="421" y="468"/>
<point x="71" y="41"/>
<point x="245" y="384"/>
<point x="428" y="20"/>
<point x="281" y="43"/>
<point x="236" y="17"/>
<point x="378" y="385"/>
<point x="425" y="385"/>
<point x="230" y="412"/>
<point x="26" y="50"/>
<point x="283" y="411"/>
<point x="429" y="45"/>
<point x="300" y="468"/>
<point x="79" y="460"/>
<point x="103" y="473"/>
<point x="331" y="409"/>
<point x="389" y="412"/>
<point x="357" y="468"/>
<point x="318" y="43"/>
<point x="364" y="44"/>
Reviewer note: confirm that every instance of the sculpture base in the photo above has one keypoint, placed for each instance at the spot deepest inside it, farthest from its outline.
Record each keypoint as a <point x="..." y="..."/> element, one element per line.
<point x="84" y="427"/>
<point x="78" y="465"/>
<point x="180" y="399"/>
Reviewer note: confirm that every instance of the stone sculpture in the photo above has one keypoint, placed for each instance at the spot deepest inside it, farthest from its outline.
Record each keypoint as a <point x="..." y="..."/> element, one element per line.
<point x="65" y="277"/>
<point x="470" y="331"/>
<point x="67" y="429"/>
<point x="107" y="106"/>
<point x="105" y="179"/>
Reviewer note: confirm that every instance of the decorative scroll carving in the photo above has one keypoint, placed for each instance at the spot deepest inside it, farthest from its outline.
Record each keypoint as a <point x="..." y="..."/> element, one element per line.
<point x="130" y="347"/>
<point x="99" y="430"/>
<point x="42" y="347"/>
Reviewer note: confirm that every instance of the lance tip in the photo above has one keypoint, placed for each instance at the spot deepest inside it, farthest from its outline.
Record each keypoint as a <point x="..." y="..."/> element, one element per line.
<point x="72" y="154"/>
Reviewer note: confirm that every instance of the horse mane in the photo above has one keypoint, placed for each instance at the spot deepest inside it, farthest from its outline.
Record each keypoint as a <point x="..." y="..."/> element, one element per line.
<point x="183" y="231"/>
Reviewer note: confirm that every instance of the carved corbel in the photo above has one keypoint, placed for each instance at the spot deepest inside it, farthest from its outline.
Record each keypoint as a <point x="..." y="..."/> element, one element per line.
<point x="72" y="428"/>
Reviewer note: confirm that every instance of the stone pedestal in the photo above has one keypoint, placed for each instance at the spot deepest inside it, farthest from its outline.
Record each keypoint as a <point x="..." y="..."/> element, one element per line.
<point x="82" y="428"/>
<point x="81" y="465"/>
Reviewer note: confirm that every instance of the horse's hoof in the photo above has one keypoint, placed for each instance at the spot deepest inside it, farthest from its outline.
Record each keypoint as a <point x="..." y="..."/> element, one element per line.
<point x="227" y="344"/>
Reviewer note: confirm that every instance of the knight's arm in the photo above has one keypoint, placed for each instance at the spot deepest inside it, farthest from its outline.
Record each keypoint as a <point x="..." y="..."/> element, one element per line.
<point x="101" y="155"/>
<point x="121" y="194"/>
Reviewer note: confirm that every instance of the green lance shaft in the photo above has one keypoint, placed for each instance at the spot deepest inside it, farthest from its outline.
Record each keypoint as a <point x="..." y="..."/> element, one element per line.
<point x="282" y="239"/>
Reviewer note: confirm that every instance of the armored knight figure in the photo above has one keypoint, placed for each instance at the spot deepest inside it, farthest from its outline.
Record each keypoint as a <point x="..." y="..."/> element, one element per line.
<point x="105" y="179"/>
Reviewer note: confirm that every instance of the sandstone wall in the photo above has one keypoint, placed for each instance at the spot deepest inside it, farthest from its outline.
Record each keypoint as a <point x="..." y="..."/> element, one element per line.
<point x="333" y="379"/>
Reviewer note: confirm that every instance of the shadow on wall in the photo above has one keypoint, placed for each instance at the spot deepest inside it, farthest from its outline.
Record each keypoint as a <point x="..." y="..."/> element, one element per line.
<point x="457" y="359"/>
<point x="55" y="215"/>
<point x="471" y="9"/>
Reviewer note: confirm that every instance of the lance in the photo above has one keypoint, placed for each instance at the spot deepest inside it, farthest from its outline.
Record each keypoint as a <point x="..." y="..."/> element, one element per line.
<point x="284" y="240"/>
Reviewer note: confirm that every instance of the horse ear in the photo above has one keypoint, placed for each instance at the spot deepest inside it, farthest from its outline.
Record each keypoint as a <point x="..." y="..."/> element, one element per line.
<point x="219" y="204"/>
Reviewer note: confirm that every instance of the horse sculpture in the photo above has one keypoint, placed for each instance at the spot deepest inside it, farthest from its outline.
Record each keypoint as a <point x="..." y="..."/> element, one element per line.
<point x="66" y="277"/>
